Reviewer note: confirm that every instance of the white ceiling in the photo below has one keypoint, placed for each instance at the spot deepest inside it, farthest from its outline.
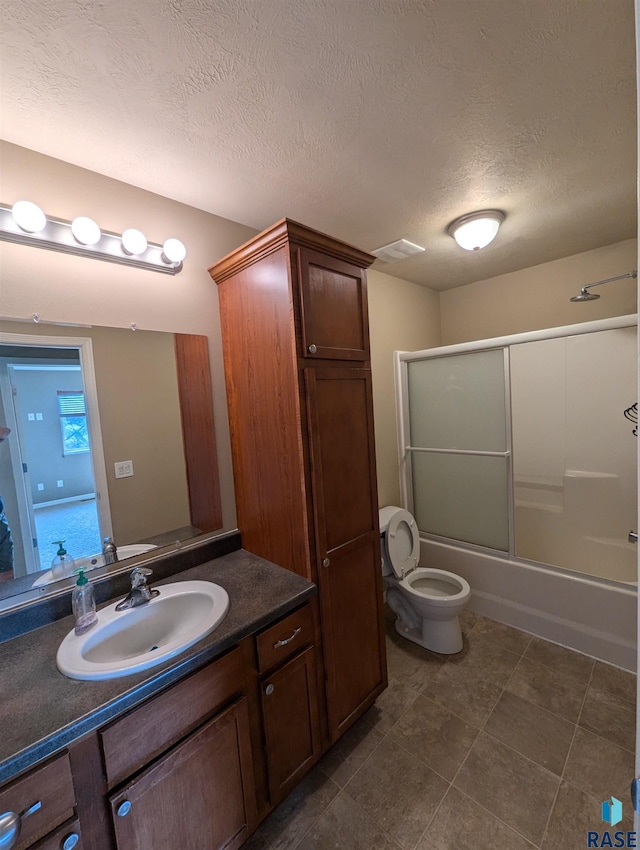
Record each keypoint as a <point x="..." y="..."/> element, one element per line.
<point x="369" y="119"/>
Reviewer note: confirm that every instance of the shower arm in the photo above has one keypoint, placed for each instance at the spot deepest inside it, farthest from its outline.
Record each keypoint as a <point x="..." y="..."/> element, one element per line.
<point x="584" y="289"/>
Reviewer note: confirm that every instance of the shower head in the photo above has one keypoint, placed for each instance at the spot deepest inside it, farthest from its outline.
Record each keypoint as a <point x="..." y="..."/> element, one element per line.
<point x="585" y="296"/>
<point x="591" y="296"/>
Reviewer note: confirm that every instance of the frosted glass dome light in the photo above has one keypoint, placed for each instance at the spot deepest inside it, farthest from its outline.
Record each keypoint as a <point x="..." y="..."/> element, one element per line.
<point x="173" y="251"/>
<point x="476" y="230"/>
<point x="28" y="216"/>
<point x="134" y="242"/>
<point x="85" y="230"/>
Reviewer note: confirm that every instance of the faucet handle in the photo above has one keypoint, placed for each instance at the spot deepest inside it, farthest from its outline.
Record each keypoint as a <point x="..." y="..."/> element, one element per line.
<point x="139" y="576"/>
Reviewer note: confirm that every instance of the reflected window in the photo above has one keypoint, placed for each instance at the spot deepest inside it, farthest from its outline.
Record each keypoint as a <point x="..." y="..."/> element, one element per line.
<point x="73" y="422"/>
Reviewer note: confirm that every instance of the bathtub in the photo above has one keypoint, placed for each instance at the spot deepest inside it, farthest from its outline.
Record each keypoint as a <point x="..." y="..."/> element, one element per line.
<point x="592" y="615"/>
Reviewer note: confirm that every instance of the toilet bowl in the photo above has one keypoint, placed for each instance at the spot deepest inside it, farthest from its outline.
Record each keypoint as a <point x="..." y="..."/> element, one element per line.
<point x="427" y="601"/>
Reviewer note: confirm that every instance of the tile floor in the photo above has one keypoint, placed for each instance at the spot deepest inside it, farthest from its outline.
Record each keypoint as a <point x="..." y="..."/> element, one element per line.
<point x="511" y="745"/>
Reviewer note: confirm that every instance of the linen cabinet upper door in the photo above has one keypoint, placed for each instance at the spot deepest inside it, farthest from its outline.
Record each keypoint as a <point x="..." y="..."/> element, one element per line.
<point x="333" y="305"/>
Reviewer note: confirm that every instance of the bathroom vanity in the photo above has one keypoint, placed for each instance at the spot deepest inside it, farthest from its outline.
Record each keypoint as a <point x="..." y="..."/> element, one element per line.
<point x="192" y="753"/>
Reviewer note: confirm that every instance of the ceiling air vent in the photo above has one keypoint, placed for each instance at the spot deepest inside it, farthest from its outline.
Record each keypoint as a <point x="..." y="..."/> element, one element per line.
<point x="395" y="251"/>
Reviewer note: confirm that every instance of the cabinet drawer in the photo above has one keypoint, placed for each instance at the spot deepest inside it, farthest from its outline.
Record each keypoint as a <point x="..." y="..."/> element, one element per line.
<point x="65" y="837"/>
<point x="281" y="641"/>
<point x="148" y="731"/>
<point x="52" y="787"/>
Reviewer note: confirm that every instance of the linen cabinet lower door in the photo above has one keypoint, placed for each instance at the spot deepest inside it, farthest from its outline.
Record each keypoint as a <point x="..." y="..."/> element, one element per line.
<point x="199" y="796"/>
<point x="343" y="478"/>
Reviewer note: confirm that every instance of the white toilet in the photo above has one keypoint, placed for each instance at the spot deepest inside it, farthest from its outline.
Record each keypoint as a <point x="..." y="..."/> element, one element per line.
<point x="426" y="601"/>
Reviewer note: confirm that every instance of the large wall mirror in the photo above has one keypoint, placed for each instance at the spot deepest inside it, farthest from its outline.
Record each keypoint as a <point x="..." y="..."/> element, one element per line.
<point x="111" y="434"/>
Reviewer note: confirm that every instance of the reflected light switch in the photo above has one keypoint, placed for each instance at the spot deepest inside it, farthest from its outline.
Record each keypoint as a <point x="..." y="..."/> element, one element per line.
<point x="124" y="468"/>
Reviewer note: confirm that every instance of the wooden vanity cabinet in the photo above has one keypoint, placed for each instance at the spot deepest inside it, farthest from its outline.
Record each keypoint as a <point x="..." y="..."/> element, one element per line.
<point x="293" y="311"/>
<point x="48" y="791"/>
<point x="289" y="701"/>
<point x="180" y="766"/>
<point x="195" y="796"/>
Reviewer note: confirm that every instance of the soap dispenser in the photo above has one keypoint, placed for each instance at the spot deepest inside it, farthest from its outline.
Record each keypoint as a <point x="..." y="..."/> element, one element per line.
<point x="63" y="564"/>
<point x="83" y="604"/>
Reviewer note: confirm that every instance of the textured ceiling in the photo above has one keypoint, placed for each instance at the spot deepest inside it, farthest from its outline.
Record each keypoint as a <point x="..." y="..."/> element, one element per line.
<point x="369" y="119"/>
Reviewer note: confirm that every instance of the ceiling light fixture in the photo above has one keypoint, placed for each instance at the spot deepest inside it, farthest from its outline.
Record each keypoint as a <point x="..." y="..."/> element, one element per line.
<point x="25" y="224"/>
<point x="476" y="230"/>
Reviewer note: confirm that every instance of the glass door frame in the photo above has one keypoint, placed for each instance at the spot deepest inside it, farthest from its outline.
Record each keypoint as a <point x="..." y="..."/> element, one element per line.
<point x="405" y="450"/>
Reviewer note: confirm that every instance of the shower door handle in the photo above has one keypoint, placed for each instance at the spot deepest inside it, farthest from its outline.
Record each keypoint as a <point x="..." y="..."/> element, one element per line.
<point x="633" y="537"/>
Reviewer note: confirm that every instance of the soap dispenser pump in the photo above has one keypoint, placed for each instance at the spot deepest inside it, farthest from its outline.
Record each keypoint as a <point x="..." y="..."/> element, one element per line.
<point x="63" y="564"/>
<point x="83" y="604"/>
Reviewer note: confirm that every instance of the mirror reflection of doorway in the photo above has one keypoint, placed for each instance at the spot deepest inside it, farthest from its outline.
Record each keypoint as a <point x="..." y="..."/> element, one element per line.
<point x="45" y="404"/>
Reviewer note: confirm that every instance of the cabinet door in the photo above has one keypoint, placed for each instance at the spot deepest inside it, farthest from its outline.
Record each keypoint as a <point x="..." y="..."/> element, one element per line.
<point x="347" y="540"/>
<point x="291" y="722"/>
<point x="199" y="796"/>
<point x="333" y="295"/>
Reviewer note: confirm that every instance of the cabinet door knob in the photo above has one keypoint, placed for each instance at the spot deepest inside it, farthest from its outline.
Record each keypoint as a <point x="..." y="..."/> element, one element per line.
<point x="313" y="348"/>
<point x="123" y="809"/>
<point x="269" y="689"/>
<point x="326" y="562"/>
<point x="70" y="841"/>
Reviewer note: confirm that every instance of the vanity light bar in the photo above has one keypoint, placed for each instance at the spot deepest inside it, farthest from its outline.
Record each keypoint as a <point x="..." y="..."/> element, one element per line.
<point x="58" y="235"/>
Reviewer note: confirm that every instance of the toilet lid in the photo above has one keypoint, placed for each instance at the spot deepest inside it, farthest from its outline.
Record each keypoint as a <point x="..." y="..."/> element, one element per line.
<point x="403" y="542"/>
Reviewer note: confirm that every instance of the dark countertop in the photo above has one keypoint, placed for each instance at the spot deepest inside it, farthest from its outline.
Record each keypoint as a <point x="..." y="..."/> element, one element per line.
<point x="42" y="711"/>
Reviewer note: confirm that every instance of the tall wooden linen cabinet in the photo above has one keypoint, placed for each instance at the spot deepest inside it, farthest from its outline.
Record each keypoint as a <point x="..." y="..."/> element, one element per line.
<point x="293" y="307"/>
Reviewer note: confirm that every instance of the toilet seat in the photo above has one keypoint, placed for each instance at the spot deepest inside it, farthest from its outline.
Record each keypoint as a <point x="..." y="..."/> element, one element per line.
<point x="403" y="543"/>
<point x="444" y="588"/>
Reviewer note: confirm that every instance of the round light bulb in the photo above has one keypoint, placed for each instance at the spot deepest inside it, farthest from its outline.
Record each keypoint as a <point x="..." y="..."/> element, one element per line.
<point x="476" y="230"/>
<point x="85" y="230"/>
<point x="173" y="251"/>
<point x="134" y="242"/>
<point x="28" y="216"/>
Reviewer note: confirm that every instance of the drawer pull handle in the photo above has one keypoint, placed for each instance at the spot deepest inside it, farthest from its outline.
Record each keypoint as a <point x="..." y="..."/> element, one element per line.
<point x="70" y="841"/>
<point x="10" y="823"/>
<point x="313" y="349"/>
<point x="269" y="689"/>
<point x="326" y="562"/>
<point x="123" y="809"/>
<point x="284" y="642"/>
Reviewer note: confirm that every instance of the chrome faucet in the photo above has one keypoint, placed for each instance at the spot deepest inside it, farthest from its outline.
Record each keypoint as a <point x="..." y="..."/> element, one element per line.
<point x="140" y="592"/>
<point x="109" y="550"/>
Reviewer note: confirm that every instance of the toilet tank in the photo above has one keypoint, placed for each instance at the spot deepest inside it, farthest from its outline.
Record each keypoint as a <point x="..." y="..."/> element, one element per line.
<point x="385" y="514"/>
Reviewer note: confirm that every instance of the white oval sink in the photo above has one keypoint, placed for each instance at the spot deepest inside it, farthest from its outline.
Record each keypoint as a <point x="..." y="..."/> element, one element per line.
<point x="125" y="642"/>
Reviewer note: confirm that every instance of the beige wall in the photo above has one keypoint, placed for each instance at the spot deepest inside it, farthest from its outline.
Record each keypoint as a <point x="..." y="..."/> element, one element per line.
<point x="538" y="297"/>
<point x="402" y="316"/>
<point x="65" y="288"/>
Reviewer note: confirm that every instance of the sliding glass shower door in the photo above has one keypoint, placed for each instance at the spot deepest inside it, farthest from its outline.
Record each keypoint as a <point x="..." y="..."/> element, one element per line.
<point x="459" y="447"/>
<point x="524" y="448"/>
